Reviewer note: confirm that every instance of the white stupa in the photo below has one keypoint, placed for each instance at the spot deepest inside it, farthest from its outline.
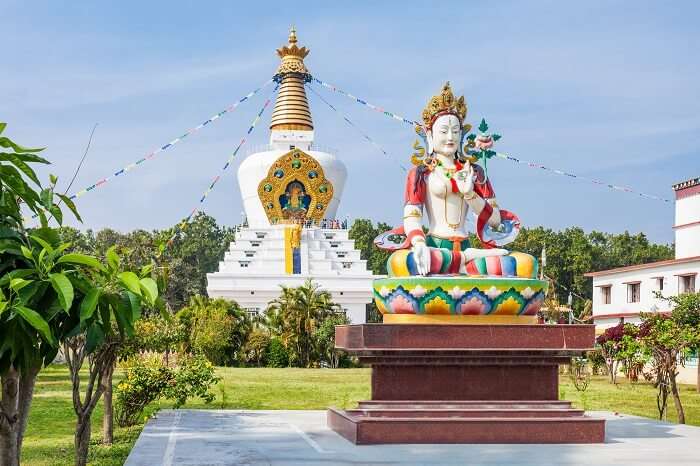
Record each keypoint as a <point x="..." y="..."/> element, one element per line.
<point x="291" y="193"/>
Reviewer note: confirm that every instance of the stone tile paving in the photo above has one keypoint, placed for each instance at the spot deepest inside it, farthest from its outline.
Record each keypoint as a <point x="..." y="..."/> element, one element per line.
<point x="222" y="438"/>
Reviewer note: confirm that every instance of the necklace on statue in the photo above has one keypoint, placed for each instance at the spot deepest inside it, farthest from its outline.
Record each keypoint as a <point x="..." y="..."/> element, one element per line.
<point x="448" y="172"/>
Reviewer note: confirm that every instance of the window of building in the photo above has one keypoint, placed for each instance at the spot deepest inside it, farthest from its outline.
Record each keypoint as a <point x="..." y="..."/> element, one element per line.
<point x="255" y="244"/>
<point x="340" y="254"/>
<point x="250" y="253"/>
<point x="335" y="244"/>
<point x="260" y="234"/>
<point x="686" y="284"/>
<point x="633" y="292"/>
<point x="605" y="294"/>
<point x="329" y="235"/>
<point x="347" y="265"/>
<point x="244" y="264"/>
<point x="659" y="283"/>
<point x="252" y="312"/>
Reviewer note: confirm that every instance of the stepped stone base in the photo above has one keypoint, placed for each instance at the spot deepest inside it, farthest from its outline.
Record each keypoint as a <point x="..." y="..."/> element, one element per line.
<point x="465" y="384"/>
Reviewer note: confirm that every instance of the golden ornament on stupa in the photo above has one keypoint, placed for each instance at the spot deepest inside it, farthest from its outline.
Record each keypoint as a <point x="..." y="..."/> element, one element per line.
<point x="291" y="110"/>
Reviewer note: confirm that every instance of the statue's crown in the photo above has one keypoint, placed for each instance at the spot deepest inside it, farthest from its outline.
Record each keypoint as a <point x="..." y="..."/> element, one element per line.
<point x="444" y="104"/>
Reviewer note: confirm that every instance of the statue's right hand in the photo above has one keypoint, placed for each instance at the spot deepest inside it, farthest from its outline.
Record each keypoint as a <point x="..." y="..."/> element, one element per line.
<point x="421" y="254"/>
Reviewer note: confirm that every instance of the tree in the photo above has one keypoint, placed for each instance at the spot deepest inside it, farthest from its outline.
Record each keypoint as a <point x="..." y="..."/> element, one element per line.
<point x="195" y="251"/>
<point x="34" y="288"/>
<point x="669" y="339"/>
<point x="217" y="328"/>
<point x="632" y="353"/>
<point x="686" y="310"/>
<point x="299" y="312"/>
<point x="98" y="326"/>
<point x="610" y="346"/>
<point x="363" y="233"/>
<point x="185" y="261"/>
<point x="255" y="347"/>
<point x="325" y="339"/>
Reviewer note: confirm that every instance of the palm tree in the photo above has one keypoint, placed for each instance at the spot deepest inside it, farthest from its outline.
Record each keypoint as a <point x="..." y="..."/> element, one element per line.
<point x="297" y="313"/>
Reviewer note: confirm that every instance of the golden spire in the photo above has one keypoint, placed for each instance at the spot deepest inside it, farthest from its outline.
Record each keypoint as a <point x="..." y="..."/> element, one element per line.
<point x="291" y="107"/>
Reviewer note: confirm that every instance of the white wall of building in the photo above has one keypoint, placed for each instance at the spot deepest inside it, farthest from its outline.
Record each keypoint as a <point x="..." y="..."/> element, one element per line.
<point x="648" y="279"/>
<point x="687" y="227"/>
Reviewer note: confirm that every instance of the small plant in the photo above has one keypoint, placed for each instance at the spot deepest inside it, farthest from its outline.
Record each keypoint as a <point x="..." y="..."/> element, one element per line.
<point x="579" y="374"/>
<point x="222" y="390"/>
<point x="584" y="401"/>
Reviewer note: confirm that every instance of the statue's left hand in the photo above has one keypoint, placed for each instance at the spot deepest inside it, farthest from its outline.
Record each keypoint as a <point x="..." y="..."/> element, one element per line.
<point x="465" y="179"/>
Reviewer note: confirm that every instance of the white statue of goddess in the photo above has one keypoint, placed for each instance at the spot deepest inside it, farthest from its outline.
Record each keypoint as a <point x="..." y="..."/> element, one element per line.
<point x="445" y="185"/>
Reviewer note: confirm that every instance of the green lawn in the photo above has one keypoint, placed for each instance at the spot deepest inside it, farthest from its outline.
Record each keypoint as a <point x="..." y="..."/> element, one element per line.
<point x="49" y="439"/>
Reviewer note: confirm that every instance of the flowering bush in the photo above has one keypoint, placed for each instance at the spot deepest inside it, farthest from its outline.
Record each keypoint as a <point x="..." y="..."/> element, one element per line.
<point x="194" y="377"/>
<point x="149" y="379"/>
<point x="609" y="343"/>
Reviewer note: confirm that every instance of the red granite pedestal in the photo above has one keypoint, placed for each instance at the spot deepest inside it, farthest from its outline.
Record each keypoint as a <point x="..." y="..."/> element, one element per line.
<point x="465" y="384"/>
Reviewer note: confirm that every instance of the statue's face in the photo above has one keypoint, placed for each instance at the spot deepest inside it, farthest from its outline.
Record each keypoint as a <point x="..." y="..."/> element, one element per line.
<point x="446" y="133"/>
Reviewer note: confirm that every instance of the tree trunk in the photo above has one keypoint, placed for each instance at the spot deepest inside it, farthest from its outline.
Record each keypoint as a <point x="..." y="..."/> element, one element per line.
<point x="9" y="450"/>
<point x="697" y="380"/>
<point x="108" y="419"/>
<point x="612" y="369"/>
<point x="82" y="440"/>
<point x="676" y="397"/>
<point x="9" y="419"/>
<point x="26" y="393"/>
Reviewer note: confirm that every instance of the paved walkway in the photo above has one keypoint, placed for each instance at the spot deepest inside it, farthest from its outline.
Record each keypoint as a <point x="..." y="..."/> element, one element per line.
<point x="218" y="438"/>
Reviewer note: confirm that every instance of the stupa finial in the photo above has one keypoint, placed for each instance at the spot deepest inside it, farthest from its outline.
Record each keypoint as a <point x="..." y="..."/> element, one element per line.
<point x="291" y="107"/>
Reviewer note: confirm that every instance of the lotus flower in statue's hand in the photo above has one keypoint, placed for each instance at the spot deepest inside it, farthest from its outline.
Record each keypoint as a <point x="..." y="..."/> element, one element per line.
<point x="483" y="142"/>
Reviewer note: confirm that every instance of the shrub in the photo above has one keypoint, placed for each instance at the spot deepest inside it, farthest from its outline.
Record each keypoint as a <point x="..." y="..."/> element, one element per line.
<point x="276" y="354"/>
<point x="145" y="380"/>
<point x="597" y="361"/>
<point x="193" y="378"/>
<point x="148" y="379"/>
<point x="216" y="328"/>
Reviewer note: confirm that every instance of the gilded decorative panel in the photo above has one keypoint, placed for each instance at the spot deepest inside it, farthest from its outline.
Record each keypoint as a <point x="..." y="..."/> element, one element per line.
<point x="295" y="188"/>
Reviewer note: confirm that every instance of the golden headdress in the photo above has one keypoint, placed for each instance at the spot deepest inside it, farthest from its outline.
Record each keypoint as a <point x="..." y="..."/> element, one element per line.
<point x="444" y="104"/>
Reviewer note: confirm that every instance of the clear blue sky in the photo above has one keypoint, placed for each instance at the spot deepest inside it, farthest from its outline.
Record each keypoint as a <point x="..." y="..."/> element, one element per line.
<point x="606" y="89"/>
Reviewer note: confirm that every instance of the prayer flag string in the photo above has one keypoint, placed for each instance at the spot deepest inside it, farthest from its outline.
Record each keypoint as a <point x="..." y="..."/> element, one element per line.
<point x="571" y="175"/>
<point x="165" y="147"/>
<point x="498" y="154"/>
<point x="362" y="133"/>
<point x="183" y="225"/>
<point x="365" y="103"/>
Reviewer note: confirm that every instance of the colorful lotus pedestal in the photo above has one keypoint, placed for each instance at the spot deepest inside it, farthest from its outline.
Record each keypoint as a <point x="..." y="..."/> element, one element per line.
<point x="454" y="299"/>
